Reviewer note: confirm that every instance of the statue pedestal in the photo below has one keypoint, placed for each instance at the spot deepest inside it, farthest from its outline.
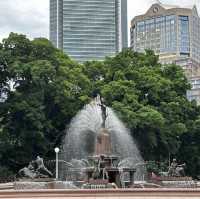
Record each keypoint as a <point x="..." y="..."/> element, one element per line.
<point x="103" y="143"/>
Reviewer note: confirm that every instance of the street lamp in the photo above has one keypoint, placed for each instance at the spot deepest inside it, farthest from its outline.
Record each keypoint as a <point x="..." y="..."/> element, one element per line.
<point x="56" y="151"/>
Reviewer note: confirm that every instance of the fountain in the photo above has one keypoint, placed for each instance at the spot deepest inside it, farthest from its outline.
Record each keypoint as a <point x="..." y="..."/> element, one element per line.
<point x="98" y="134"/>
<point x="99" y="153"/>
<point x="82" y="134"/>
<point x="98" y="157"/>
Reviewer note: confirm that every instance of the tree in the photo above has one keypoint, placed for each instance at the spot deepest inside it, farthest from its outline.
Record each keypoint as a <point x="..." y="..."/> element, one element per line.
<point x="150" y="98"/>
<point x="48" y="89"/>
<point x="190" y="148"/>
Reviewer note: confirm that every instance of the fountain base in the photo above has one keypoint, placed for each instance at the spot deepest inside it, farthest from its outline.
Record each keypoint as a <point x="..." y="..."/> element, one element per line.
<point x="28" y="185"/>
<point x="106" y="173"/>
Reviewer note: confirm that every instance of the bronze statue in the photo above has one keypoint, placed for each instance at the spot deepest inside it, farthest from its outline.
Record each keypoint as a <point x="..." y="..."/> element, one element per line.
<point x="103" y="112"/>
<point x="41" y="167"/>
<point x="100" y="171"/>
<point x="176" y="170"/>
<point x="28" y="172"/>
<point x="35" y="169"/>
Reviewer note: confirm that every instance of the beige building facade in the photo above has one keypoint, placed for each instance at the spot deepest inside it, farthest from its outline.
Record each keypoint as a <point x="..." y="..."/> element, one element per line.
<point x="173" y="32"/>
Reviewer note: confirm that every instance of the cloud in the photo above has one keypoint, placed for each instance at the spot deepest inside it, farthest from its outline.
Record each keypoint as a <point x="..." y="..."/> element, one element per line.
<point x="28" y="17"/>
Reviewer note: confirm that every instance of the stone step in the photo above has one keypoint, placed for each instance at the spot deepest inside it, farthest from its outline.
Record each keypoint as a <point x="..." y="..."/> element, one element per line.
<point x="6" y="186"/>
<point x="104" y="194"/>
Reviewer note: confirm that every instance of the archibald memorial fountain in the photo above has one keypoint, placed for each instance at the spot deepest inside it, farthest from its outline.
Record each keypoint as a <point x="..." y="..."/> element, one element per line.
<point x="103" y="167"/>
<point x="98" y="153"/>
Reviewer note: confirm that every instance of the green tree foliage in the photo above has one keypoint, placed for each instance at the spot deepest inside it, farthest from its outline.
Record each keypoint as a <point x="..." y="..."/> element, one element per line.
<point x="190" y="148"/>
<point x="44" y="89"/>
<point x="47" y="90"/>
<point x="148" y="100"/>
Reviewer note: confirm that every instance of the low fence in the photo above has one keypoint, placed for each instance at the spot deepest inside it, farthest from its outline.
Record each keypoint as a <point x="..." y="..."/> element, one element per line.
<point x="7" y="179"/>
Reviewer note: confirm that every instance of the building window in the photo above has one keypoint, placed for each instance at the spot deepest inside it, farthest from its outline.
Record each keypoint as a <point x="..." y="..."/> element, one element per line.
<point x="184" y="36"/>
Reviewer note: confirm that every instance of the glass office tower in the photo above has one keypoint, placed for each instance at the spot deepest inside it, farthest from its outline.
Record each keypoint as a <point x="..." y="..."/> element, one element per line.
<point x="89" y="29"/>
<point x="173" y="32"/>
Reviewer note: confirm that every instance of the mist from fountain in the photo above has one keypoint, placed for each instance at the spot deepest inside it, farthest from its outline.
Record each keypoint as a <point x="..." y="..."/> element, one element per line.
<point x="81" y="137"/>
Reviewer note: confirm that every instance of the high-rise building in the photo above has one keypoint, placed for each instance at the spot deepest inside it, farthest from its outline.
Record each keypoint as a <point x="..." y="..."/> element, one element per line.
<point x="173" y="32"/>
<point x="89" y="29"/>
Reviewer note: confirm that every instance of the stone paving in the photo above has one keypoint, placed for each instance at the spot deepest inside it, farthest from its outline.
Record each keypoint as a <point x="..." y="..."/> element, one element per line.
<point x="104" y="194"/>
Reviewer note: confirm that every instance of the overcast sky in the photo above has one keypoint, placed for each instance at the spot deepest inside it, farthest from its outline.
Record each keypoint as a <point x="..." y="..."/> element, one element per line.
<point x="31" y="17"/>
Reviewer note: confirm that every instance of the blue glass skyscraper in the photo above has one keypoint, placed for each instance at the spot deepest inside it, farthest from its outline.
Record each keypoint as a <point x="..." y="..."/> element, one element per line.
<point x="89" y="29"/>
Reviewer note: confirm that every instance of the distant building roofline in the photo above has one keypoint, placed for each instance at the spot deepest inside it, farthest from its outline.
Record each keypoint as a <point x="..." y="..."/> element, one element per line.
<point x="167" y="7"/>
